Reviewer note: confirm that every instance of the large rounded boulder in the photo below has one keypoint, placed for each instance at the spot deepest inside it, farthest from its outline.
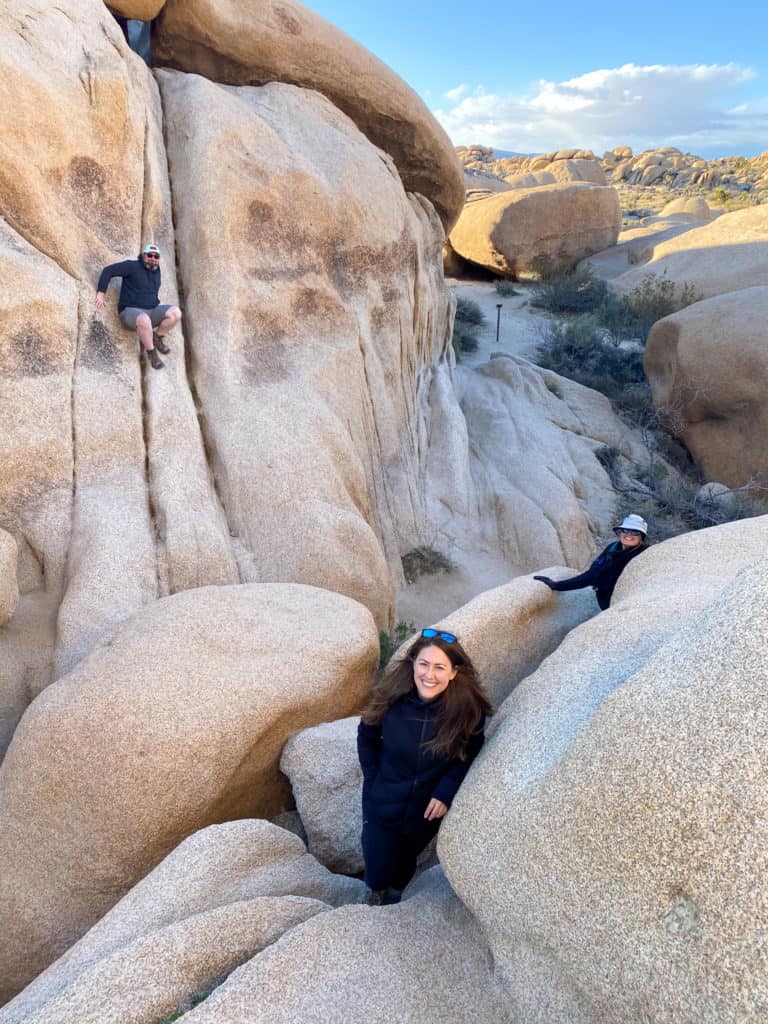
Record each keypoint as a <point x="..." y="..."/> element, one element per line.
<point x="536" y="230"/>
<point x="286" y="42"/>
<point x="708" y="370"/>
<point x="175" y="721"/>
<point x="610" y="836"/>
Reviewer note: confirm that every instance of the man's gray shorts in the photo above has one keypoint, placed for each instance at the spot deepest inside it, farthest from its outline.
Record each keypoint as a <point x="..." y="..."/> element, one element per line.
<point x="130" y="313"/>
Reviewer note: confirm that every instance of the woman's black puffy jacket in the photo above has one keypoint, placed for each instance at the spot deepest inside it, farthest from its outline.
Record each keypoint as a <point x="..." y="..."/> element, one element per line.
<point x="400" y="776"/>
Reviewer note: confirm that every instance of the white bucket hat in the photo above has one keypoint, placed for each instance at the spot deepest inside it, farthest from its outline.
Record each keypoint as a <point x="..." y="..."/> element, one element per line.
<point x="633" y="522"/>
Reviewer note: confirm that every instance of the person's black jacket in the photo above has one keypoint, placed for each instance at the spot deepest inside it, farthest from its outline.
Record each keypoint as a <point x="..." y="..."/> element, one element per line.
<point x="140" y="287"/>
<point x="603" y="573"/>
<point x="400" y="776"/>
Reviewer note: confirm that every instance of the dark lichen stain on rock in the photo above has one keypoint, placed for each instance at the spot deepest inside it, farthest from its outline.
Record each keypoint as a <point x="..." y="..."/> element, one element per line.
<point x="100" y="351"/>
<point x="32" y="353"/>
<point x="259" y="214"/>
<point x="287" y="20"/>
<point x="86" y="178"/>
<point x="312" y="302"/>
<point x="266" y="356"/>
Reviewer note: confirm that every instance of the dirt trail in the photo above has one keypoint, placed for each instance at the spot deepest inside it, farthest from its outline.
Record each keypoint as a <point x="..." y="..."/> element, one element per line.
<point x="519" y="324"/>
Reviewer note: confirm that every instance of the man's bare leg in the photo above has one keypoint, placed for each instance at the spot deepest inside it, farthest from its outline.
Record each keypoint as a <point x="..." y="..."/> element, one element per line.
<point x="168" y="322"/>
<point x="144" y="331"/>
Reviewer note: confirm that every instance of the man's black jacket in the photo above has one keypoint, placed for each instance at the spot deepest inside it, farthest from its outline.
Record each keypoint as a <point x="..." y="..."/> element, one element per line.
<point x="603" y="573"/>
<point x="140" y="287"/>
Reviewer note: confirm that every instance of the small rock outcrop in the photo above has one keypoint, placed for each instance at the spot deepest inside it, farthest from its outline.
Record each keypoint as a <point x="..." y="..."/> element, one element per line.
<point x="530" y="231"/>
<point x="421" y="961"/>
<point x="708" y="370"/>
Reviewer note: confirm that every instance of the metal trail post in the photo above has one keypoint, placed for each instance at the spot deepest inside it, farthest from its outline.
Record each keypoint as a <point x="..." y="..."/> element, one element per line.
<point x="498" y="320"/>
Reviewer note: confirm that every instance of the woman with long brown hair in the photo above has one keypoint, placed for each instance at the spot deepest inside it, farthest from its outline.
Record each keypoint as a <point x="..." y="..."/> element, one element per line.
<point x="419" y="732"/>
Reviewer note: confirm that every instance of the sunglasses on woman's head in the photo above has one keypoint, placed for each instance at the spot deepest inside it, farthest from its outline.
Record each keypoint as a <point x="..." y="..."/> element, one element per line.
<point x="432" y="634"/>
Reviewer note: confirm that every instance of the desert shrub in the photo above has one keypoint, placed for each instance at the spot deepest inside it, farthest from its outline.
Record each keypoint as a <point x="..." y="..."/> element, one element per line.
<point x="656" y="297"/>
<point x="464" y="339"/>
<point x="391" y="642"/>
<point x="469" y="312"/>
<point x="671" y="497"/>
<point x="577" y="349"/>
<point x="469" y="319"/>
<point x="505" y="289"/>
<point x="424" y="561"/>
<point x="578" y="292"/>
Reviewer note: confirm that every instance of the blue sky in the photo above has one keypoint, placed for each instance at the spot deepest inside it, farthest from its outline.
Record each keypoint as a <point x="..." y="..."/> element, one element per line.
<point x="548" y="75"/>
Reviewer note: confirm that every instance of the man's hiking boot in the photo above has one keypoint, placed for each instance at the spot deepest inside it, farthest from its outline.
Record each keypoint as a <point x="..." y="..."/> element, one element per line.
<point x="155" y="360"/>
<point x="160" y="344"/>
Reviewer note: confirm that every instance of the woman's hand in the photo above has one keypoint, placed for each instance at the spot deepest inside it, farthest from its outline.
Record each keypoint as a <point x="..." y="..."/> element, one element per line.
<point x="435" y="809"/>
<point x="544" y="579"/>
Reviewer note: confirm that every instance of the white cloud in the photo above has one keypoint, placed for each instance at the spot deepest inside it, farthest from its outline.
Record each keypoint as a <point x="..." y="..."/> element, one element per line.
<point x="454" y="95"/>
<point x="644" y="107"/>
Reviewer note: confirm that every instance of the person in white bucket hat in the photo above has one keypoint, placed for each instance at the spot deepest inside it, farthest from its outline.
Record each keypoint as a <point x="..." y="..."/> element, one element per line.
<point x="609" y="564"/>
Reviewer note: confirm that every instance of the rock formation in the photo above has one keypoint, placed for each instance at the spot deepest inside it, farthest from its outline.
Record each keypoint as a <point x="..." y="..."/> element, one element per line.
<point x="729" y="254"/>
<point x="121" y="487"/>
<point x="531" y="490"/>
<point x="636" y="244"/>
<point x="708" y="370"/>
<point x="217" y="900"/>
<point x="531" y="230"/>
<point x="666" y="169"/>
<point x="608" y="838"/>
<point x="287" y="42"/>
<point x="174" y="721"/>
<point x="142" y="10"/>
<point x="158" y="532"/>
<point x="340" y="966"/>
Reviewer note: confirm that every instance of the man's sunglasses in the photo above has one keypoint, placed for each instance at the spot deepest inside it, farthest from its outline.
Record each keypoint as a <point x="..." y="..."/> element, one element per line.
<point x="431" y="634"/>
<point x="152" y="255"/>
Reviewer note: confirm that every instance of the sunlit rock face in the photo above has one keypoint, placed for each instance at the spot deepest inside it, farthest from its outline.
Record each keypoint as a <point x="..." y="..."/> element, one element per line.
<point x="316" y="297"/>
<point x="286" y="42"/>
<point x="538" y="230"/>
<point x="708" y="370"/>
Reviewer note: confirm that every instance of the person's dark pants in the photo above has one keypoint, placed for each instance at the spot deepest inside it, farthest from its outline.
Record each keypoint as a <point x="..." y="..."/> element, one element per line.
<point x="391" y="853"/>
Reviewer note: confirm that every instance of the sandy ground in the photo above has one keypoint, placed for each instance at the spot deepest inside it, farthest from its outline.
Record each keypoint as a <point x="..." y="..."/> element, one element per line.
<point x="432" y="597"/>
<point x="519" y="323"/>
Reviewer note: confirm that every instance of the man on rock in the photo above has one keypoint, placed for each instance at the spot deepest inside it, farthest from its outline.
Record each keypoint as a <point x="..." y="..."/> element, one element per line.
<point x="139" y="303"/>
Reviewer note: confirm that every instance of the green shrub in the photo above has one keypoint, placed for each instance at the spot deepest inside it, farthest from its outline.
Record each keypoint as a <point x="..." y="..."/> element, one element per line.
<point x="576" y="348"/>
<point x="391" y="642"/>
<point x="424" y="561"/>
<point x="469" y="312"/>
<point x="505" y="289"/>
<point x="656" y="297"/>
<point x="578" y="292"/>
